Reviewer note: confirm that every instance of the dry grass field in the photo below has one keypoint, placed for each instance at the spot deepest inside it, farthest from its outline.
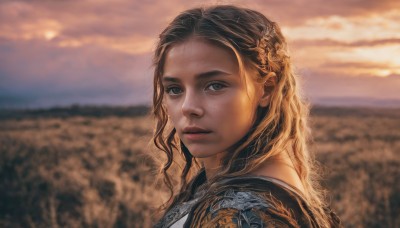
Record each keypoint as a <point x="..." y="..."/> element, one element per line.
<point x="90" y="167"/>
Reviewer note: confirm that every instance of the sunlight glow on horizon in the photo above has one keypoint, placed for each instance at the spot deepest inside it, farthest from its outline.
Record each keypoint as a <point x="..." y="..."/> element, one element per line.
<point x="67" y="45"/>
<point x="385" y="55"/>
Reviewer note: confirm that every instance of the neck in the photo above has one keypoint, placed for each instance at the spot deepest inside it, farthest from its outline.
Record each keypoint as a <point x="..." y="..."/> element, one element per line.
<point x="282" y="168"/>
<point x="212" y="164"/>
<point x="279" y="167"/>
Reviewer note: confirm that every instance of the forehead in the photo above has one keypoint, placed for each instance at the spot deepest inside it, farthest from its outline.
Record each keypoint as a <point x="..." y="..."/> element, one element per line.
<point x="197" y="56"/>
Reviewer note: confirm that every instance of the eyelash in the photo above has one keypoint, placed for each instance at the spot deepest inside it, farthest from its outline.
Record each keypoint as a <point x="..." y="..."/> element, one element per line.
<point x="170" y="88"/>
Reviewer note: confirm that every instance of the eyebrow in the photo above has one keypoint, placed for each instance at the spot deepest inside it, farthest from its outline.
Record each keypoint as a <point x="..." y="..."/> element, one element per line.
<point x="201" y="76"/>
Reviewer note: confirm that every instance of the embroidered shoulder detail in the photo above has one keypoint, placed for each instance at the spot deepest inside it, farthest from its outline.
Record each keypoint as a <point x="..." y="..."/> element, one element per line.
<point x="179" y="211"/>
<point x="243" y="209"/>
<point x="251" y="218"/>
<point x="176" y="213"/>
<point x="240" y="201"/>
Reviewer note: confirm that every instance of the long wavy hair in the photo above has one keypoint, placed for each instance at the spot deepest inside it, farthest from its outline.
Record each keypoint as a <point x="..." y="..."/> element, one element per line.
<point x="257" y="43"/>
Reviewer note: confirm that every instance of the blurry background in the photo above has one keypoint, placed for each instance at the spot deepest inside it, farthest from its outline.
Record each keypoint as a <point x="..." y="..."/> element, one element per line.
<point x="76" y="84"/>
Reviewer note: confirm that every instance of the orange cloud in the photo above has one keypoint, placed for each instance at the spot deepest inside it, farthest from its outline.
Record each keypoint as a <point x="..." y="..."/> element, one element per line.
<point x="76" y="49"/>
<point x="335" y="43"/>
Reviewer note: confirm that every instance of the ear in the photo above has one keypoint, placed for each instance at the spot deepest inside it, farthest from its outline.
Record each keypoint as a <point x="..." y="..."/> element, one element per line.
<point x="268" y="87"/>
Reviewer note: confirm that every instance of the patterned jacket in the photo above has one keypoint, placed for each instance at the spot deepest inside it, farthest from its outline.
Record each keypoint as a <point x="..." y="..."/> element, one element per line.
<point x="246" y="202"/>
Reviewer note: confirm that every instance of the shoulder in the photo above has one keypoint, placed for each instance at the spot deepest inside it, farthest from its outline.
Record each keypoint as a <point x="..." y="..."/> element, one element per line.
<point x="252" y="217"/>
<point x="241" y="200"/>
<point x="245" y="209"/>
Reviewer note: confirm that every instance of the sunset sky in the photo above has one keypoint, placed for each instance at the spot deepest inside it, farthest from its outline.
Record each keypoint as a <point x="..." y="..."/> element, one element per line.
<point x="62" y="52"/>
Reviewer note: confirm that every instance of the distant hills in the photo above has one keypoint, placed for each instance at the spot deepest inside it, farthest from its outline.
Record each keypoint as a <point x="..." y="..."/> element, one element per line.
<point x="141" y="110"/>
<point x="75" y="110"/>
<point x="356" y="102"/>
<point x="10" y="104"/>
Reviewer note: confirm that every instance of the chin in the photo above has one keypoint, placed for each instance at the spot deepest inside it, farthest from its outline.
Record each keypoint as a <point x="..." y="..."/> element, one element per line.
<point x="203" y="154"/>
<point x="200" y="154"/>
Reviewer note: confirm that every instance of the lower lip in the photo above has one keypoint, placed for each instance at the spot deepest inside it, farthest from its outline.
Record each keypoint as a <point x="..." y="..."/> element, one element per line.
<point x="196" y="136"/>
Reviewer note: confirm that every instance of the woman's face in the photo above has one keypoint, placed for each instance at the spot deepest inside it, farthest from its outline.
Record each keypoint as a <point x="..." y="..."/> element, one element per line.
<point x="209" y="104"/>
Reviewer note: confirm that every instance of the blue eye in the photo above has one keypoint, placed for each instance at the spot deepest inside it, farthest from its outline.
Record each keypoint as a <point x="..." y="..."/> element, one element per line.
<point x="173" y="90"/>
<point x="216" y="86"/>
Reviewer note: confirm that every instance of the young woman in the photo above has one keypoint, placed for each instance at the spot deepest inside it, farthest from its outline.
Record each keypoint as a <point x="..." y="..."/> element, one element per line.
<point x="228" y="110"/>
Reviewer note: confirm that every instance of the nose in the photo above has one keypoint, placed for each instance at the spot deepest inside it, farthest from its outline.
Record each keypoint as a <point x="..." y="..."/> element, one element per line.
<point x="192" y="105"/>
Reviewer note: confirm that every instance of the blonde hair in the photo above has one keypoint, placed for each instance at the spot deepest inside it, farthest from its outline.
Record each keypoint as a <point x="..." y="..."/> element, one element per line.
<point x="257" y="43"/>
